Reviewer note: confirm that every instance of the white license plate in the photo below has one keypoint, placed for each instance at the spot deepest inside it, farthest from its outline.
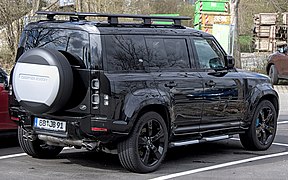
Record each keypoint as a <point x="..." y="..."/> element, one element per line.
<point x="49" y="124"/>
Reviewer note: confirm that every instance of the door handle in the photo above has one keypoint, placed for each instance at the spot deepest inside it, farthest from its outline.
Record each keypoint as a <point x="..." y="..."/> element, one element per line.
<point x="171" y="84"/>
<point x="210" y="84"/>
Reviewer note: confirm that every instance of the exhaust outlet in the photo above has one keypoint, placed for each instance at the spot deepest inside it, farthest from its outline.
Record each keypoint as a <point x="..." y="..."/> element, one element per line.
<point x="90" y="146"/>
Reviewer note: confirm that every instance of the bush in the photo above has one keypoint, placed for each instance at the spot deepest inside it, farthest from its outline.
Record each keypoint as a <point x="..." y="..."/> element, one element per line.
<point x="246" y="43"/>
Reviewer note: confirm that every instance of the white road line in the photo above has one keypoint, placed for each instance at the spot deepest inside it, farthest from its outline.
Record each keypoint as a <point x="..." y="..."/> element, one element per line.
<point x="185" y="173"/>
<point x="282" y="122"/>
<point x="24" y="154"/>
<point x="12" y="156"/>
<point x="224" y="164"/>
<point x="277" y="144"/>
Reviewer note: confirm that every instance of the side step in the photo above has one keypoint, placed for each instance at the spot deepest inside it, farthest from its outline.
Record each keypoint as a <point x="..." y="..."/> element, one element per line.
<point x="203" y="140"/>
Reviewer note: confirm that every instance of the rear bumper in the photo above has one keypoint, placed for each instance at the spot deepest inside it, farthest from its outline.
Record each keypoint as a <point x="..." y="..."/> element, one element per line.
<point x="77" y="127"/>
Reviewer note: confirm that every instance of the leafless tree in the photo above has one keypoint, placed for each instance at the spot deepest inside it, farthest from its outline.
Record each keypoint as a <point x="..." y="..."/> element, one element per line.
<point x="235" y="24"/>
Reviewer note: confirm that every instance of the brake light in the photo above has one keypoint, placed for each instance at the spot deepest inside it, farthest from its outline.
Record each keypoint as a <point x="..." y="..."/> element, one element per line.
<point x="99" y="129"/>
<point x="15" y="118"/>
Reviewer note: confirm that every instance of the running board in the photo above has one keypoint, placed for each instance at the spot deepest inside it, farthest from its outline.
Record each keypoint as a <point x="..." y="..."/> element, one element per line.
<point x="203" y="140"/>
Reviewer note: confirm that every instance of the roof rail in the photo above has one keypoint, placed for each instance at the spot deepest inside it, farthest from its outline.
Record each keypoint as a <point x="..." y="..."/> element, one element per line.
<point x="113" y="18"/>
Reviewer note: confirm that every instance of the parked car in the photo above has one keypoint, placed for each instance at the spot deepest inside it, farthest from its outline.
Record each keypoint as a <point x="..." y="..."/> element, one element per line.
<point x="5" y="122"/>
<point x="134" y="89"/>
<point x="277" y="67"/>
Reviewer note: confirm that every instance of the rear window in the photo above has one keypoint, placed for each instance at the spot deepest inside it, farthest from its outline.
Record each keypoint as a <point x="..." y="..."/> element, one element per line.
<point x="126" y="53"/>
<point x="136" y="53"/>
<point x="73" y="41"/>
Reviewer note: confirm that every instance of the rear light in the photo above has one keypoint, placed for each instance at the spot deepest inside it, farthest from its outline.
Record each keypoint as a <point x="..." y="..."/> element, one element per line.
<point x="99" y="129"/>
<point x="15" y="118"/>
<point x="106" y="100"/>
<point x="95" y="84"/>
<point x="10" y="90"/>
<point x="95" y="97"/>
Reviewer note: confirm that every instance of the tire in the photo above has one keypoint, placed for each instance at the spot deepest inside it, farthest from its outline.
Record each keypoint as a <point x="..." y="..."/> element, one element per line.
<point x="262" y="130"/>
<point x="144" y="150"/>
<point x="37" y="148"/>
<point x="42" y="80"/>
<point x="273" y="74"/>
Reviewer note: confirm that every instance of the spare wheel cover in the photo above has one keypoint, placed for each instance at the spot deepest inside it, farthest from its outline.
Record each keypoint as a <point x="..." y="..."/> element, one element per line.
<point x="42" y="80"/>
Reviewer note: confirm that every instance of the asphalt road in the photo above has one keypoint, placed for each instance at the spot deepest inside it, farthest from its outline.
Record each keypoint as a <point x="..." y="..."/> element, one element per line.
<point x="218" y="160"/>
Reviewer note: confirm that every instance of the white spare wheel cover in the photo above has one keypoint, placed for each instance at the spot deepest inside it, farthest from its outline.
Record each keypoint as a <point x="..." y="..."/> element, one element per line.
<point x="42" y="80"/>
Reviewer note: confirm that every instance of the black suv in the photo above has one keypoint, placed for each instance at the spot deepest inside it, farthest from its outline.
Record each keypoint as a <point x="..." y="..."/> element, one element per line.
<point x="134" y="89"/>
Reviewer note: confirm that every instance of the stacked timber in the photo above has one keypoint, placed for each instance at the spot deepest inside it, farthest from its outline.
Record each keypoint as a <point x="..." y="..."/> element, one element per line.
<point x="265" y="31"/>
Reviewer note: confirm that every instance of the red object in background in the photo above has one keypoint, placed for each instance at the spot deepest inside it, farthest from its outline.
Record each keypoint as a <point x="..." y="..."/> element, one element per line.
<point x="5" y="122"/>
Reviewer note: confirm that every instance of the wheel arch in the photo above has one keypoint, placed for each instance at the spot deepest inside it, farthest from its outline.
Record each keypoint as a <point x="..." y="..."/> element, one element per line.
<point x="262" y="93"/>
<point x="158" y="108"/>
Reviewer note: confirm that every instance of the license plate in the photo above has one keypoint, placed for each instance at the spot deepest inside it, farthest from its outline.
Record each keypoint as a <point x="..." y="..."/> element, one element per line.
<point x="49" y="124"/>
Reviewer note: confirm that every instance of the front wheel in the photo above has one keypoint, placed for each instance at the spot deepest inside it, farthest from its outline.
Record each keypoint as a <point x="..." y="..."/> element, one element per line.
<point x="273" y="74"/>
<point x="37" y="148"/>
<point x="145" y="148"/>
<point x="262" y="130"/>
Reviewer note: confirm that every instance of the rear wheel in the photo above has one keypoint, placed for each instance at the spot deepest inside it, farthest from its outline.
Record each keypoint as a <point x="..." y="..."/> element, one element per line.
<point x="146" y="146"/>
<point x="263" y="127"/>
<point x="37" y="148"/>
<point x="273" y="74"/>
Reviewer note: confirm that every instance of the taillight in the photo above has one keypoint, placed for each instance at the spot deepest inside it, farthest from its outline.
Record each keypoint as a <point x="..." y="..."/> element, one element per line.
<point x="95" y="97"/>
<point x="10" y="90"/>
<point x="106" y="100"/>
<point x="95" y="84"/>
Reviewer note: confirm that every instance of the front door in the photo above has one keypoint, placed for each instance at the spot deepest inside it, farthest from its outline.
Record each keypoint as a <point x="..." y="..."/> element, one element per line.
<point x="223" y="89"/>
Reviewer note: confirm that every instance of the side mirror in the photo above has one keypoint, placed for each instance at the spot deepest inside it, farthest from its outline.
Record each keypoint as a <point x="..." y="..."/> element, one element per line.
<point x="229" y="62"/>
<point x="216" y="64"/>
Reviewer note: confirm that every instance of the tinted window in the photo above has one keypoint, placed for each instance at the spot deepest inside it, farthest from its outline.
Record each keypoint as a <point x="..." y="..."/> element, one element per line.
<point x="125" y="53"/>
<point x="167" y="53"/>
<point x="74" y="42"/>
<point x="209" y="56"/>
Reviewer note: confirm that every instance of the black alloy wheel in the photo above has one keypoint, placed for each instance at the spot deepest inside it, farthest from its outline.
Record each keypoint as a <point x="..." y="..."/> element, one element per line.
<point x="151" y="142"/>
<point x="263" y="127"/>
<point x="145" y="148"/>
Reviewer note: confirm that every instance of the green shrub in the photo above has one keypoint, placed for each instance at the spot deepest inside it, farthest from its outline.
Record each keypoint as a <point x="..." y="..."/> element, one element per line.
<point x="246" y="43"/>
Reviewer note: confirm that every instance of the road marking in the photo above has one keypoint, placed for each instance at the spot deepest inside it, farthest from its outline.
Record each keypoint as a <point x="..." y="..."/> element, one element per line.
<point x="282" y="122"/>
<point x="185" y="173"/>
<point x="24" y="154"/>
<point x="12" y="156"/>
<point x="277" y="144"/>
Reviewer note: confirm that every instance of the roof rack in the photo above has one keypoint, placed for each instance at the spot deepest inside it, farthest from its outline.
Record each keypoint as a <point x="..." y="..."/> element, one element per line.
<point x="113" y="18"/>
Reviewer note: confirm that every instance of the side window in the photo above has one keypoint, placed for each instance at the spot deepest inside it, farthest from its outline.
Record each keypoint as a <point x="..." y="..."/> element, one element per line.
<point x="167" y="53"/>
<point x="125" y="53"/>
<point x="73" y="41"/>
<point x="209" y="56"/>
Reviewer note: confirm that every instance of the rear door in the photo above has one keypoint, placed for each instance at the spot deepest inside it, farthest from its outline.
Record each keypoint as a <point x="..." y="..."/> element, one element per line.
<point x="223" y="89"/>
<point x="176" y="79"/>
